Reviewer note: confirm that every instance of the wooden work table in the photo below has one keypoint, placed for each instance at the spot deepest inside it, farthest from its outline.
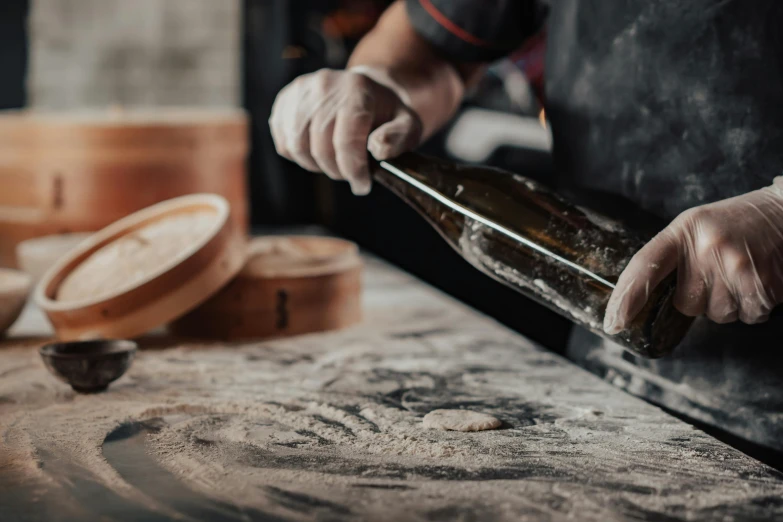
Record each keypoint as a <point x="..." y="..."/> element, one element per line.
<point x="328" y="427"/>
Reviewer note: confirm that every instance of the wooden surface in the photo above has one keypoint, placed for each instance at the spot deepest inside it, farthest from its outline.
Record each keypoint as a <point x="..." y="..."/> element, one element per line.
<point x="328" y="427"/>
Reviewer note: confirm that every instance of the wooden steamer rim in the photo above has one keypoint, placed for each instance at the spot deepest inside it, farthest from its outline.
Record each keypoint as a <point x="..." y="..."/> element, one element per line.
<point x="320" y="255"/>
<point x="279" y="293"/>
<point x="165" y="135"/>
<point x="178" y="285"/>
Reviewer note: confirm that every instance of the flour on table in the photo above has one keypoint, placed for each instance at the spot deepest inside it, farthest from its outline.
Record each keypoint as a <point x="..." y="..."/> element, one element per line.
<point x="460" y="420"/>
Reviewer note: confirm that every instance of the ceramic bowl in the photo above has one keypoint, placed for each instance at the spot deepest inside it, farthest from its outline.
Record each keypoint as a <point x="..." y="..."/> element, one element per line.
<point x="89" y="366"/>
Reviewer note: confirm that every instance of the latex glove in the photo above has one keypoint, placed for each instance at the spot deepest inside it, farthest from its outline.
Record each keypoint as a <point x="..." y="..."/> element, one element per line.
<point x="326" y="122"/>
<point x="728" y="256"/>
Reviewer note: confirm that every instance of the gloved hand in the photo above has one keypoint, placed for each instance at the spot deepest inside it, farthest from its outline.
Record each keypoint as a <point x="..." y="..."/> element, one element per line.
<point x="326" y="122"/>
<point x="728" y="256"/>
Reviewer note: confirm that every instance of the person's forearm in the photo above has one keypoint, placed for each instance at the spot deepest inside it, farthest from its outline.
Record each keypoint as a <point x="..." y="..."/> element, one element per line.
<point x="395" y="55"/>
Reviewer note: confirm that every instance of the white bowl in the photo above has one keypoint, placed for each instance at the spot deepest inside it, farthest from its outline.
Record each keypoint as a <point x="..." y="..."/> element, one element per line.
<point x="14" y="289"/>
<point x="35" y="256"/>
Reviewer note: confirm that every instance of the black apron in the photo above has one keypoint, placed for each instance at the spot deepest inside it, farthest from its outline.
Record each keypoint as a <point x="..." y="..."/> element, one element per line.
<point x="658" y="106"/>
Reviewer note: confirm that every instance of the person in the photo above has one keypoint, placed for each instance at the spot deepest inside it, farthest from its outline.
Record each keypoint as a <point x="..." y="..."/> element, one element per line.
<point x="672" y="108"/>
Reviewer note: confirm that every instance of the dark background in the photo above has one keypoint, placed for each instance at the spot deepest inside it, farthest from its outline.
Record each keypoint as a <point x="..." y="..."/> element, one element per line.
<point x="13" y="53"/>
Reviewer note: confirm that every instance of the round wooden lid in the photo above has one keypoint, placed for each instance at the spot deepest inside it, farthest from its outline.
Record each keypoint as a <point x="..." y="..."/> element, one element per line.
<point x="115" y="126"/>
<point x="298" y="256"/>
<point x="144" y="270"/>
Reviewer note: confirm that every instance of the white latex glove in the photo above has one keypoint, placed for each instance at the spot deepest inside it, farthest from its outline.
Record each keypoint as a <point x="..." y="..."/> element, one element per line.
<point x="728" y="256"/>
<point x="326" y="122"/>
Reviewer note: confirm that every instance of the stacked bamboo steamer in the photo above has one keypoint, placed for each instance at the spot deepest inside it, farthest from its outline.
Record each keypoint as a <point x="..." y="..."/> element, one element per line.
<point x="289" y="285"/>
<point x="184" y="262"/>
<point x="79" y="172"/>
<point x="143" y="270"/>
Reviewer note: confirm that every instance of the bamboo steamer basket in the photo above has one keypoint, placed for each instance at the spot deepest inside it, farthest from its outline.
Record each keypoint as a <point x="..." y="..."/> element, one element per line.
<point x="289" y="285"/>
<point x="144" y="270"/>
<point x="78" y="172"/>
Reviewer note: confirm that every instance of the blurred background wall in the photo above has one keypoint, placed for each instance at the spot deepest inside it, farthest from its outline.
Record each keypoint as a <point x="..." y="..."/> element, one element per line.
<point x="97" y="53"/>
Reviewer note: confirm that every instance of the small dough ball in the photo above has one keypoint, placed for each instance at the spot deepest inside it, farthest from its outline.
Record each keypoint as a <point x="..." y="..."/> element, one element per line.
<point x="460" y="420"/>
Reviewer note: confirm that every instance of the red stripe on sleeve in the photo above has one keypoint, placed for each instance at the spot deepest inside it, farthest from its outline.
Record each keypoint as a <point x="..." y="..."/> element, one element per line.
<point x="451" y="27"/>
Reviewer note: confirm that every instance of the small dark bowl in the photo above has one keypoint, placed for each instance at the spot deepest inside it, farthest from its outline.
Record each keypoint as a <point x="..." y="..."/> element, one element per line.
<point x="89" y="366"/>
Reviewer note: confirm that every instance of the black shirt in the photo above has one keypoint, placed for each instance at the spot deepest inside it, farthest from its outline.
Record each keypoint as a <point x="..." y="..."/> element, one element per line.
<point x="661" y="105"/>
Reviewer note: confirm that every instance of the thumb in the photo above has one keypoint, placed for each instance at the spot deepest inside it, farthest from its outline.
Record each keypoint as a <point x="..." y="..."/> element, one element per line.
<point x="656" y="260"/>
<point x="399" y="135"/>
